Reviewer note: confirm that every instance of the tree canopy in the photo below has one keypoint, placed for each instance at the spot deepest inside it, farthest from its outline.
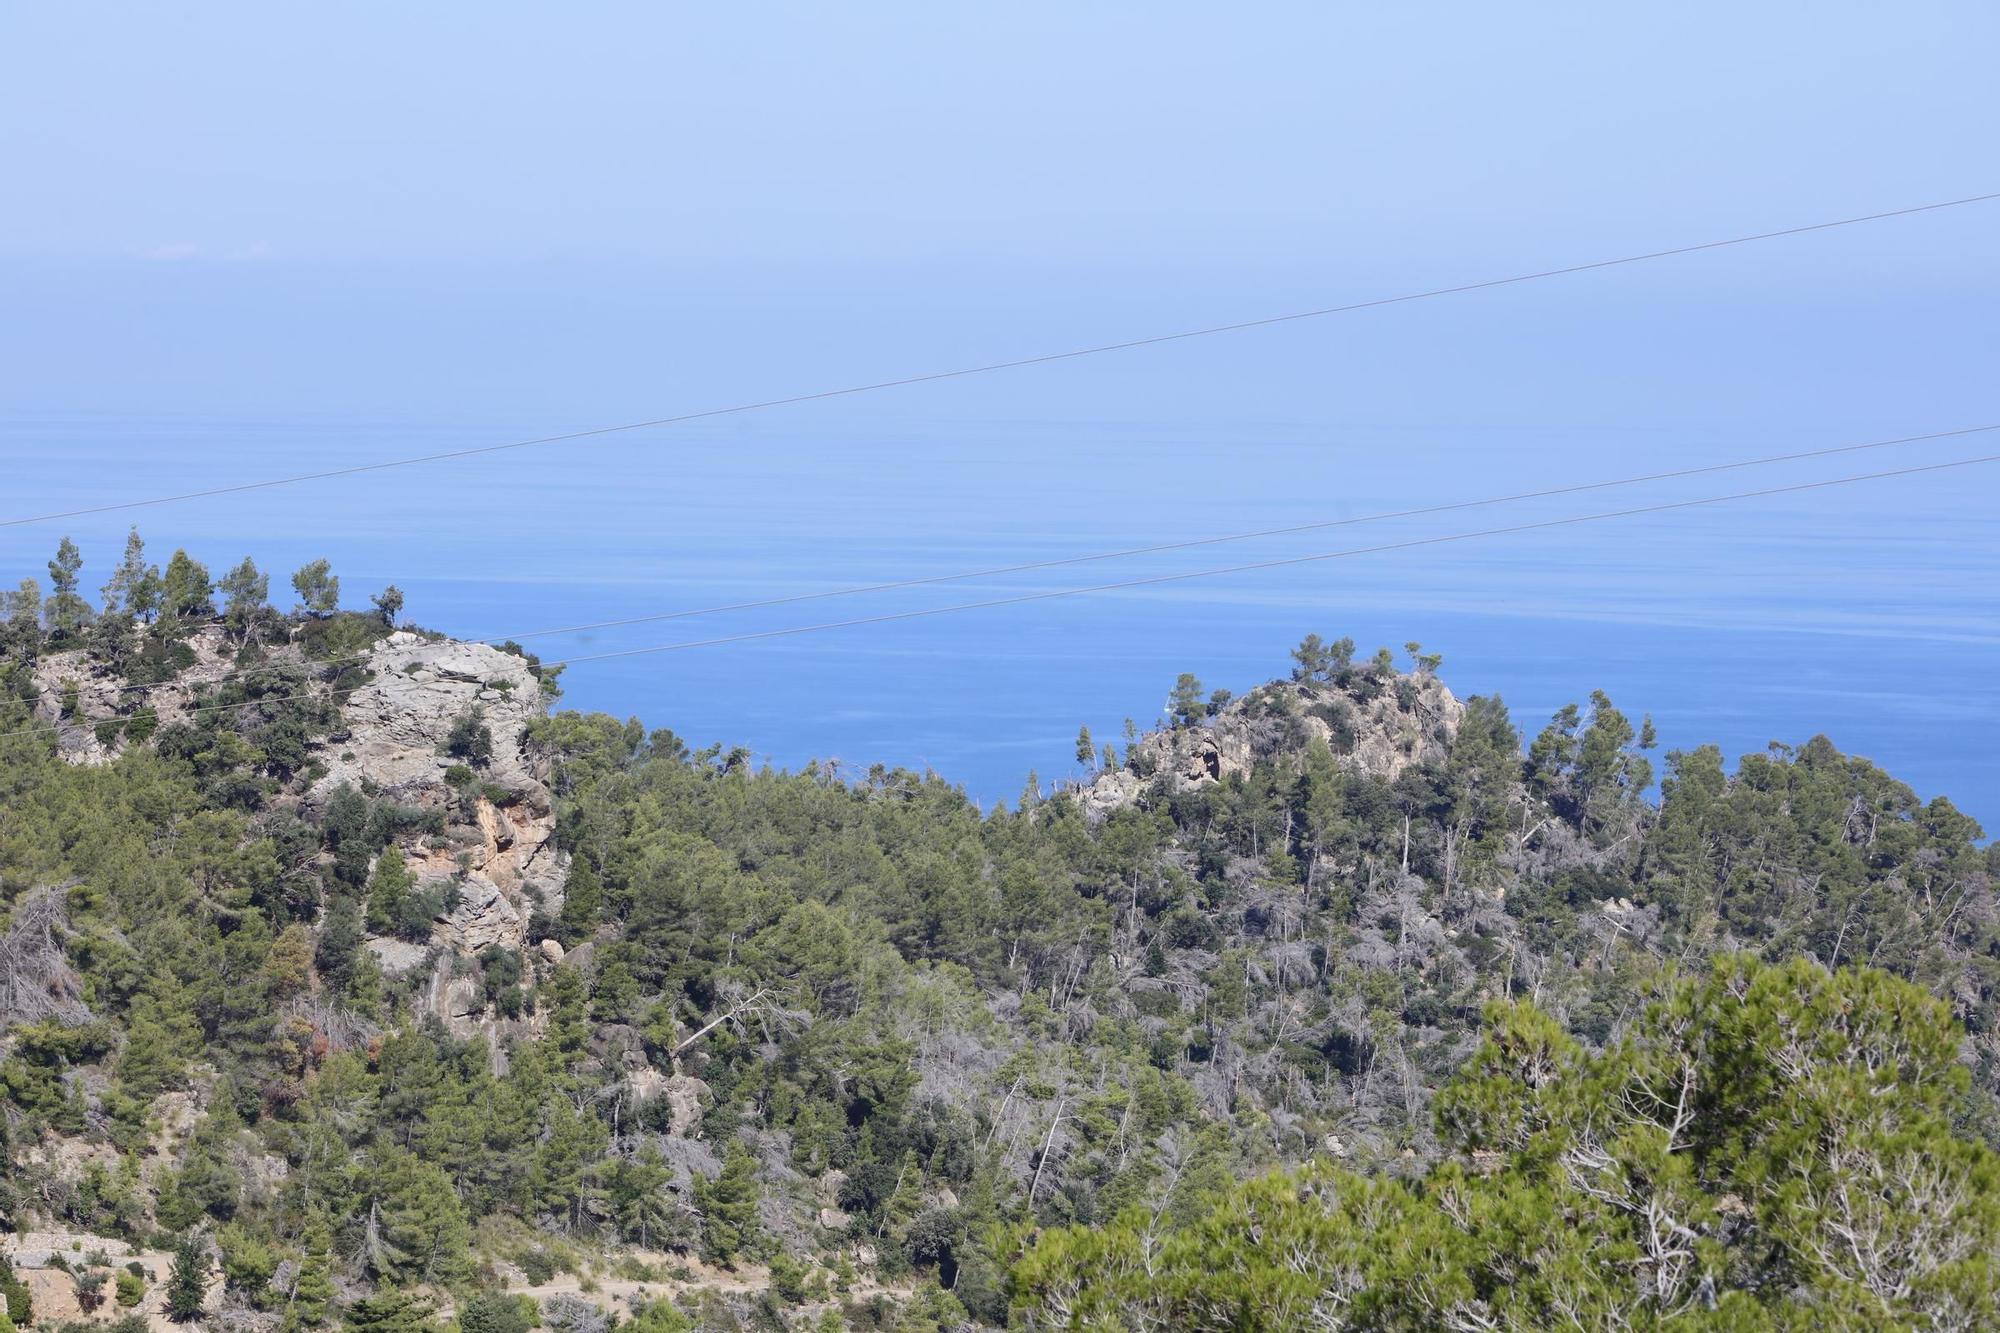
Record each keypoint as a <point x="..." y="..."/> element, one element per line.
<point x="1181" y="1039"/>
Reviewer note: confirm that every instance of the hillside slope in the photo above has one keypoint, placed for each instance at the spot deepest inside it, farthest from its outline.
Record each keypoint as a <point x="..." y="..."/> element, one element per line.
<point x="326" y="943"/>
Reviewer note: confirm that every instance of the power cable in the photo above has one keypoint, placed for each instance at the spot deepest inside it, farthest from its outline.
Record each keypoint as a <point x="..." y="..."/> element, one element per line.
<point x="1190" y="544"/>
<point x="1152" y="581"/>
<point x="1272" y="564"/>
<point x="994" y="366"/>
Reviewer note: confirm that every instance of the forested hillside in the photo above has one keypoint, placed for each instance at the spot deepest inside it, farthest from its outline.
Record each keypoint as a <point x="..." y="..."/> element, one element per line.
<point x="360" y="989"/>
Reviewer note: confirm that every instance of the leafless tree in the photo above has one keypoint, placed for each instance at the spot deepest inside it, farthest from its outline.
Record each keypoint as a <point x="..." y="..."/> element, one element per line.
<point x="36" y="980"/>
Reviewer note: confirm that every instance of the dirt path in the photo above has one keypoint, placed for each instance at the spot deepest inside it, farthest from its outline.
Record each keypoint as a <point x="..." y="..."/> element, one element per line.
<point x="624" y="1296"/>
<point x="54" y="1290"/>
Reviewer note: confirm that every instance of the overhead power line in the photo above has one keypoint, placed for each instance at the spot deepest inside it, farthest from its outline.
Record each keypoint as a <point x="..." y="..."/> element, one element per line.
<point x="991" y="367"/>
<point x="1032" y="566"/>
<point x="1151" y="581"/>
<point x="1160" y="548"/>
<point x="1281" y="563"/>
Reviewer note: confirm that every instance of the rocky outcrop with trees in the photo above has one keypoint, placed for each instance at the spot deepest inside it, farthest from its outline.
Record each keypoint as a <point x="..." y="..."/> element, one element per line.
<point x="356" y="986"/>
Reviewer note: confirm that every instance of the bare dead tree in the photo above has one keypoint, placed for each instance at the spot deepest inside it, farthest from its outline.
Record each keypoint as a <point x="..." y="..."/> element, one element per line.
<point x="760" y="1004"/>
<point x="36" y="980"/>
<point x="1048" y="1145"/>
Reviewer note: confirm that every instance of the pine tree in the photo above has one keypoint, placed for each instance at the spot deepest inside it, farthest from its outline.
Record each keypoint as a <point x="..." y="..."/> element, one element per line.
<point x="729" y="1206"/>
<point x="454" y="1133"/>
<point x="318" y="589"/>
<point x="638" y="1197"/>
<point x="1184" y="705"/>
<point x="389" y="1311"/>
<point x="906" y="1196"/>
<point x="564" y="1175"/>
<point x="246" y="593"/>
<point x="660" y="1316"/>
<point x="583" y="902"/>
<point x="568" y="1003"/>
<point x="187" y="1282"/>
<point x="134" y="587"/>
<point x="24" y="605"/>
<point x="186" y="591"/>
<point x="497" y="1312"/>
<point x="17" y="1304"/>
<point x="65" y="612"/>
<point x="312" y="1291"/>
<point x="365" y="984"/>
<point x="247" y="1263"/>
<point x="1317" y="800"/>
<point x="340" y="936"/>
<point x="1313" y="658"/>
<point x="416" y="1229"/>
<point x="389" y="896"/>
<point x="388" y="604"/>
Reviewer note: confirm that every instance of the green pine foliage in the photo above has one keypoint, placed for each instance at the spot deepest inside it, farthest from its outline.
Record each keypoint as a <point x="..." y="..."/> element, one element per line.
<point x="498" y="1312"/>
<point x="187" y="1281"/>
<point x="1771" y="1146"/>
<point x="17" y="1303"/>
<point x="729" y="1207"/>
<point x="311" y="1297"/>
<point x="389" y="1310"/>
<point x="796" y="1013"/>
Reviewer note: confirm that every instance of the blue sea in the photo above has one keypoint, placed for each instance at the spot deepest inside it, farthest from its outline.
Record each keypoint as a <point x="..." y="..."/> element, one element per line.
<point x="1864" y="612"/>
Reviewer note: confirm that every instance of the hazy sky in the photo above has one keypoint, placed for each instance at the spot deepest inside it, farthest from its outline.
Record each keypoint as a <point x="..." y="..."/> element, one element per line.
<point x="240" y="239"/>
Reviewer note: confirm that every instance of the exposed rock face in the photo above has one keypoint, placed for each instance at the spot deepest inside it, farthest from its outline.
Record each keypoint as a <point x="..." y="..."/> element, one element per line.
<point x="397" y="956"/>
<point x="495" y="851"/>
<point x="683" y="1092"/>
<point x="397" y="724"/>
<point x="483" y="917"/>
<point x="1377" y="726"/>
<point x="498" y="843"/>
<point x="1112" y="790"/>
<point x="498" y="847"/>
<point x="458" y="1001"/>
<point x="100" y="693"/>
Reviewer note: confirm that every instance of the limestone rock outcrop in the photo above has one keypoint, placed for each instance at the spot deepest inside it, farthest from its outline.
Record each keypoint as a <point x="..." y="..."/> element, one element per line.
<point x="398" y="722"/>
<point x="1373" y="724"/>
<point x="497" y="852"/>
<point x="76" y="692"/>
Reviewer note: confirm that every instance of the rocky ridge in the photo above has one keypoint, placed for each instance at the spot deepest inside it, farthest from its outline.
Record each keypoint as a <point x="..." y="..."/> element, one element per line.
<point x="497" y="851"/>
<point x="1374" y="725"/>
<point x="498" y="844"/>
<point x="76" y="692"/>
<point x="404" y="697"/>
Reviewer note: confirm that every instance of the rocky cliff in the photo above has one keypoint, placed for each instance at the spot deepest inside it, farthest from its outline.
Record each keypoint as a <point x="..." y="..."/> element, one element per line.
<point x="401" y="704"/>
<point x="496" y="854"/>
<point x="1374" y="724"/>
<point x="499" y="820"/>
<point x="83" y="694"/>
